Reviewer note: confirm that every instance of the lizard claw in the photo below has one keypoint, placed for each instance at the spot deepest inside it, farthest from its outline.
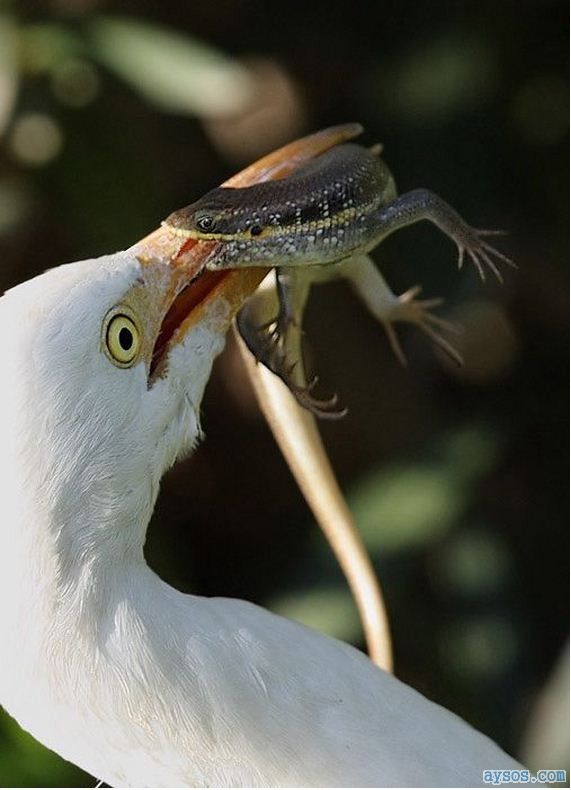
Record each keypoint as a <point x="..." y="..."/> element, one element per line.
<point x="408" y="308"/>
<point x="470" y="241"/>
<point x="267" y="344"/>
<point x="321" y="408"/>
<point x="277" y="362"/>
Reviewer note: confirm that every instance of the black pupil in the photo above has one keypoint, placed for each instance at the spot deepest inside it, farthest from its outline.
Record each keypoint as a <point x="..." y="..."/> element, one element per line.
<point x="205" y="223"/>
<point x="125" y="339"/>
<point x="255" y="230"/>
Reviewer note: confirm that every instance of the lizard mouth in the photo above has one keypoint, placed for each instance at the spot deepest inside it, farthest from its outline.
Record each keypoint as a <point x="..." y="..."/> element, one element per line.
<point x="169" y="224"/>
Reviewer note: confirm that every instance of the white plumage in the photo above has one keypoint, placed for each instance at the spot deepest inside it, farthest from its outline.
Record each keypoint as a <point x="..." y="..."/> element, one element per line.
<point x="102" y="661"/>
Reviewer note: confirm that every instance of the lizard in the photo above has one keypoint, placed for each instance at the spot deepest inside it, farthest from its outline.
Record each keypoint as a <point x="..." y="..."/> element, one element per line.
<point x="321" y="223"/>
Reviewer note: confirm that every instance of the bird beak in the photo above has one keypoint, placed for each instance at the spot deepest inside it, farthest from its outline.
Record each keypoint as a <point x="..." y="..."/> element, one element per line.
<point x="191" y="290"/>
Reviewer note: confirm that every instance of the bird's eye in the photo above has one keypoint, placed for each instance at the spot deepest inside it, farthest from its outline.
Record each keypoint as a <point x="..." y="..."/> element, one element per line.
<point x="205" y="223"/>
<point x="122" y="338"/>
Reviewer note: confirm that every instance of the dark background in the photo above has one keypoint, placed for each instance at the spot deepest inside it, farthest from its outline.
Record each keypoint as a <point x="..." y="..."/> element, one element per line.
<point x="113" y="114"/>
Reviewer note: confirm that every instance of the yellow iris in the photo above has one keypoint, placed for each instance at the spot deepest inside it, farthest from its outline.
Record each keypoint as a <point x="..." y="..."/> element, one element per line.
<point x="122" y="337"/>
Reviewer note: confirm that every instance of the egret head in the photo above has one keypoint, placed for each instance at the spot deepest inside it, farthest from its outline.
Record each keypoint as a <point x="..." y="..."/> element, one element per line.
<point x="107" y="364"/>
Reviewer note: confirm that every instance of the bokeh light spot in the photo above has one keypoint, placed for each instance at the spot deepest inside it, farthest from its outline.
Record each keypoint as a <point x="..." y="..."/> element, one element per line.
<point x="35" y="139"/>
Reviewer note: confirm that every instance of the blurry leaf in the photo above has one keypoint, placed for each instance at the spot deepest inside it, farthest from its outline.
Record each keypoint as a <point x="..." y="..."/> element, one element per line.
<point x="480" y="647"/>
<point x="441" y="78"/>
<point x="174" y="72"/>
<point x="45" y="46"/>
<point x="469" y="453"/>
<point x="330" y="610"/>
<point x="404" y="506"/>
<point x="473" y="563"/>
<point x="8" y="70"/>
<point x="27" y="761"/>
<point x="15" y="203"/>
<point x="408" y="504"/>
<point x="75" y="82"/>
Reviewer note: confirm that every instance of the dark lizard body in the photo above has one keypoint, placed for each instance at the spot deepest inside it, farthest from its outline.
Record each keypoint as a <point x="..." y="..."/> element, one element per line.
<point x="323" y="213"/>
<point x="333" y="210"/>
<point x="342" y="203"/>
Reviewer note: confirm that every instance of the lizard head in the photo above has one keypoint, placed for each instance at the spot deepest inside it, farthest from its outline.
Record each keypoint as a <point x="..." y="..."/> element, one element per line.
<point x="221" y="215"/>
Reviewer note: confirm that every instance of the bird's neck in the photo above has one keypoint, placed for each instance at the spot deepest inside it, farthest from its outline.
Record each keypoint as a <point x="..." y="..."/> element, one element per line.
<point x="60" y="600"/>
<point x="53" y="555"/>
<point x="64" y="552"/>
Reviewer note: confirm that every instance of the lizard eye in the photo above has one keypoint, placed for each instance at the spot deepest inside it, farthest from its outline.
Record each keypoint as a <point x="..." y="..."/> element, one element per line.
<point x="255" y="230"/>
<point x="205" y="223"/>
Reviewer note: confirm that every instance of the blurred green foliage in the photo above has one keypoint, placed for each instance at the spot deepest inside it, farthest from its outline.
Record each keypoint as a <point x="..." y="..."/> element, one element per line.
<point x="174" y="72"/>
<point x="25" y="763"/>
<point x="113" y="114"/>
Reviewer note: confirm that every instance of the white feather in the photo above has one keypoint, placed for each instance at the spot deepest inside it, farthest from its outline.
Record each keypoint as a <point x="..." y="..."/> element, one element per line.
<point x="105" y="663"/>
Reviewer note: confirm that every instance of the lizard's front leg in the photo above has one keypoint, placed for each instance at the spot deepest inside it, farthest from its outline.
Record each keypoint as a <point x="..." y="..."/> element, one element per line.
<point x="423" y="204"/>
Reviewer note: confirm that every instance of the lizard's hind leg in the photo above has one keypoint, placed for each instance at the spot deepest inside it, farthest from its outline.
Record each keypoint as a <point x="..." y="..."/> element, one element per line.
<point x="388" y="308"/>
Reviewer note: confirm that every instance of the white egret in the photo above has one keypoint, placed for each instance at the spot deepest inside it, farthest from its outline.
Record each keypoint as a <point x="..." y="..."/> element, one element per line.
<point x="104" y="367"/>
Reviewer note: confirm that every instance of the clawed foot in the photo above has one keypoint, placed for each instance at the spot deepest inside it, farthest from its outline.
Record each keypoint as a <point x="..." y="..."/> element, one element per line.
<point x="268" y="344"/>
<point x="482" y="254"/>
<point x="326" y="408"/>
<point x="408" y="308"/>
